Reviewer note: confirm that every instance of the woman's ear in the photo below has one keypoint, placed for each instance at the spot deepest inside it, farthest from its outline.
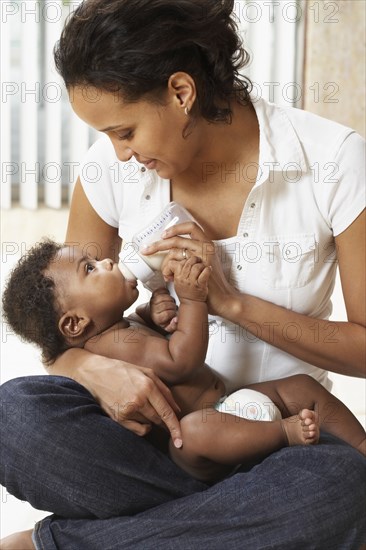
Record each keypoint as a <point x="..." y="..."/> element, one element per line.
<point x="73" y="327"/>
<point x="183" y="88"/>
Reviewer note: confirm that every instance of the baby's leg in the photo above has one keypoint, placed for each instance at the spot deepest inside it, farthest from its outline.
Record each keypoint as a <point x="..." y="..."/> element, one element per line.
<point x="214" y="442"/>
<point x="301" y="394"/>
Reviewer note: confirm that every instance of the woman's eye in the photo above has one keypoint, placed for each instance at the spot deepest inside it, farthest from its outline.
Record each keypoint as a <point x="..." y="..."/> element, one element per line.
<point x="89" y="268"/>
<point x="128" y="135"/>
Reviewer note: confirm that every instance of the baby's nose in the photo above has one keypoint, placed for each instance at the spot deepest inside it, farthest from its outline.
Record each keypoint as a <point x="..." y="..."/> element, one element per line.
<point x="107" y="263"/>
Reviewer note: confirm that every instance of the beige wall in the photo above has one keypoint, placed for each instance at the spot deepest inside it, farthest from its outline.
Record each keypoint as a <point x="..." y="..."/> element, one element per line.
<point x="335" y="61"/>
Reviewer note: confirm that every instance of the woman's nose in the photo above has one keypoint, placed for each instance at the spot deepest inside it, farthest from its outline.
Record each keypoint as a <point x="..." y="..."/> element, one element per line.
<point x="123" y="153"/>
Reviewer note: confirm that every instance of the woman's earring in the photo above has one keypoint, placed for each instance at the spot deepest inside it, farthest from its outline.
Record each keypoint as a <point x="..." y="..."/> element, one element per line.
<point x="186" y="111"/>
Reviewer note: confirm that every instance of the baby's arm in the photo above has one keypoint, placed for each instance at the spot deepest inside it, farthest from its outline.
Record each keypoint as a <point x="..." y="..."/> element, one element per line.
<point x="176" y="359"/>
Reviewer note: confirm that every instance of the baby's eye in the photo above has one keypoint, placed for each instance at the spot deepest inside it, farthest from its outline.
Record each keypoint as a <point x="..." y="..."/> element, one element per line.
<point x="89" y="267"/>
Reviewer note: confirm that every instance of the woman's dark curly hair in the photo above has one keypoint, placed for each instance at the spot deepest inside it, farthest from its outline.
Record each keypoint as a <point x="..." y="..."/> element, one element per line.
<point x="29" y="301"/>
<point x="133" y="46"/>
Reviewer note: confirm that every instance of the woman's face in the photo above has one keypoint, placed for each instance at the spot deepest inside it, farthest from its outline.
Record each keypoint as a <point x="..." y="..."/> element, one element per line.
<point x="151" y="133"/>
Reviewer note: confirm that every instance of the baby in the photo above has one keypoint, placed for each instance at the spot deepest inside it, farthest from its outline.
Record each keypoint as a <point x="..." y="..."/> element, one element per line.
<point x="59" y="298"/>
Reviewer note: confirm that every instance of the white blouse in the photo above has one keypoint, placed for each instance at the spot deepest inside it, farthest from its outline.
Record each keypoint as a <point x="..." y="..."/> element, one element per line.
<point x="310" y="187"/>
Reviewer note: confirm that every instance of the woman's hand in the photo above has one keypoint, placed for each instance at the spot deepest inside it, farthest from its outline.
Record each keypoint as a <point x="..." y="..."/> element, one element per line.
<point x="135" y="398"/>
<point x="132" y="396"/>
<point x="180" y="248"/>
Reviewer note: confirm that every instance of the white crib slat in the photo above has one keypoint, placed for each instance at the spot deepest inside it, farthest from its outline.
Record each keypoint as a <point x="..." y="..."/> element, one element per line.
<point x="31" y="89"/>
<point x="284" y="62"/>
<point x="52" y="95"/>
<point x="270" y="36"/>
<point x="5" y="126"/>
<point x="79" y="144"/>
<point x="258" y="32"/>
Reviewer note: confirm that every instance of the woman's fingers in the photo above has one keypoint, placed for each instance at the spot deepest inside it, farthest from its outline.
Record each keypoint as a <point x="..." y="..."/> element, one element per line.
<point x="181" y="248"/>
<point x="166" y="415"/>
<point x="137" y="428"/>
<point x="167" y="245"/>
<point x="165" y="391"/>
<point x="190" y="229"/>
<point x="155" y="410"/>
<point x="162" y="401"/>
<point x="187" y="239"/>
<point x="194" y="243"/>
<point x="135" y="398"/>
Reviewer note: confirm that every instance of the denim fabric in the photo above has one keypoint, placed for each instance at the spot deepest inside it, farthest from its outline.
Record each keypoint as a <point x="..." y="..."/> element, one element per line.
<point x="112" y="490"/>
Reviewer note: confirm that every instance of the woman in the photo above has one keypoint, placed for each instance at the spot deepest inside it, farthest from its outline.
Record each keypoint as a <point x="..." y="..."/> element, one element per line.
<point x="278" y="191"/>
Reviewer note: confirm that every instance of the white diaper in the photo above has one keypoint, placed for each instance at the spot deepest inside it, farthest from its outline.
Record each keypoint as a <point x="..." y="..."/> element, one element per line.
<point x="249" y="404"/>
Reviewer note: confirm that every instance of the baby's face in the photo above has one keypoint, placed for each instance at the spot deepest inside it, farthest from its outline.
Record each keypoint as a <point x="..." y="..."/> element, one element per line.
<point x="95" y="288"/>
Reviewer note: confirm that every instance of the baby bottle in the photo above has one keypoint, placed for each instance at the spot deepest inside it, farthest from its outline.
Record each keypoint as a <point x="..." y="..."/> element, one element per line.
<point x="133" y="264"/>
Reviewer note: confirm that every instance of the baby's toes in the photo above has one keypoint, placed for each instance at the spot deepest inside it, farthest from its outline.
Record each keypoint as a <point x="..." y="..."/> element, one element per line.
<point x="307" y="417"/>
<point x="313" y="434"/>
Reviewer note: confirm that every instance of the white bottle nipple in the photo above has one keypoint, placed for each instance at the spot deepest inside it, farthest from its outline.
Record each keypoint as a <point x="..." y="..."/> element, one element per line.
<point x="126" y="272"/>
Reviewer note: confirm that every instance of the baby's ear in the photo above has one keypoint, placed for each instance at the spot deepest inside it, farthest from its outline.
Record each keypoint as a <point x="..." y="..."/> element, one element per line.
<point x="73" y="327"/>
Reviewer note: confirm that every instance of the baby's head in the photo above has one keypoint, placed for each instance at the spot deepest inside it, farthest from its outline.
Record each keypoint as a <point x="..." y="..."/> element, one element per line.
<point x="58" y="298"/>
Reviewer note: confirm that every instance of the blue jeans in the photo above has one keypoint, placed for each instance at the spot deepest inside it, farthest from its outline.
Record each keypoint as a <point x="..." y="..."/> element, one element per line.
<point x="111" y="490"/>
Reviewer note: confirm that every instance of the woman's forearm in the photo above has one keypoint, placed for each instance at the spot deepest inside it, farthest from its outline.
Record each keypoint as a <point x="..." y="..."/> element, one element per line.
<point x="72" y="364"/>
<point x="331" y="345"/>
<point x="132" y="396"/>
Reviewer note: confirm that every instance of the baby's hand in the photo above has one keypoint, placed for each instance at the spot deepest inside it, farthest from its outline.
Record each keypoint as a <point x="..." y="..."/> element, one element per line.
<point x="191" y="278"/>
<point x="163" y="310"/>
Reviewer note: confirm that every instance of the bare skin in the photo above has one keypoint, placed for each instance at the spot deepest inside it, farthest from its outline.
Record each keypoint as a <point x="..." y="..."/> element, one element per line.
<point x="225" y="144"/>
<point x="214" y="442"/>
<point x="18" y="541"/>
<point x="302" y="429"/>
<point x="182" y="163"/>
<point x="222" y="143"/>
<point x="246" y="311"/>
<point x="92" y="293"/>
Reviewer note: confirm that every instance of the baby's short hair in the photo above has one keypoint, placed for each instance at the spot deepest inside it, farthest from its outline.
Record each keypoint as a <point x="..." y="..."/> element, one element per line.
<point x="29" y="300"/>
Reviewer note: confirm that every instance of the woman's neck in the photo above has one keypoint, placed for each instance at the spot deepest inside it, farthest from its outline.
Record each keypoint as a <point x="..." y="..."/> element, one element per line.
<point x="219" y="177"/>
<point x="228" y="143"/>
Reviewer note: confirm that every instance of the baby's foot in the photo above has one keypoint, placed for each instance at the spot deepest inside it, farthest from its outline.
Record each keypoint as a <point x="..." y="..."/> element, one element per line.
<point x="18" y="541"/>
<point x="302" y="428"/>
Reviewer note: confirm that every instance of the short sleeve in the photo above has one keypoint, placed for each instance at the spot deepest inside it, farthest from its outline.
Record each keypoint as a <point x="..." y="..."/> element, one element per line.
<point x="343" y="186"/>
<point x="98" y="178"/>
